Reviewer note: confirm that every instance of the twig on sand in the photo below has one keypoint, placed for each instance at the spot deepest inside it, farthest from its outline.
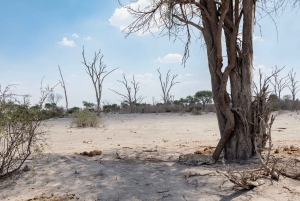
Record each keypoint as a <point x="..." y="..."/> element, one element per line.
<point x="194" y="174"/>
<point x="163" y="191"/>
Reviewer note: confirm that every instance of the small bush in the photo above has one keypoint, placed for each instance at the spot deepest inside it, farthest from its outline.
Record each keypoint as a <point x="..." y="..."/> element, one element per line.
<point x="84" y="118"/>
<point x="111" y="108"/>
<point x="21" y="133"/>
<point x="73" y="109"/>
<point x="196" y="112"/>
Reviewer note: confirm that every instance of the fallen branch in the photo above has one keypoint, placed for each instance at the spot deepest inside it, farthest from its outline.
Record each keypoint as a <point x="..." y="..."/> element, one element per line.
<point x="195" y="174"/>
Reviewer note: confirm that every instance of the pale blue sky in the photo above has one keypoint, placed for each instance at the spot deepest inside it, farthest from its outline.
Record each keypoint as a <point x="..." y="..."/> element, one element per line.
<point x="39" y="35"/>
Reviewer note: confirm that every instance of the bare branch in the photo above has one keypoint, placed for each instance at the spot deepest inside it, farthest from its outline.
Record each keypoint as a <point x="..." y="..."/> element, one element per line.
<point x="279" y="83"/>
<point x="294" y="85"/>
<point x="167" y="86"/>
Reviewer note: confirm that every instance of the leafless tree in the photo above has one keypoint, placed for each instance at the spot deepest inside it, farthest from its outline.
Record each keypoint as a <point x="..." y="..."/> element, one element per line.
<point x="54" y="98"/>
<point x="131" y="97"/>
<point x="166" y="86"/>
<point x="214" y="19"/>
<point x="294" y="85"/>
<point x="63" y="85"/>
<point x="279" y="83"/>
<point x="106" y="102"/>
<point x="97" y="74"/>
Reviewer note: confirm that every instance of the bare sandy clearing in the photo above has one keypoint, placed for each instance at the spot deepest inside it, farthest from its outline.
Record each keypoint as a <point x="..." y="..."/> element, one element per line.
<point x="146" y="168"/>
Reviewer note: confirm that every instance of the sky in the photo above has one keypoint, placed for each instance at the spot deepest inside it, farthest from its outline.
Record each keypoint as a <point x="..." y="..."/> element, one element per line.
<point x="37" y="36"/>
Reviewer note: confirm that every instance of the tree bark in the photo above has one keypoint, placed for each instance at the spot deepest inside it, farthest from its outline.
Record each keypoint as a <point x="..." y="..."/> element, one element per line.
<point x="233" y="120"/>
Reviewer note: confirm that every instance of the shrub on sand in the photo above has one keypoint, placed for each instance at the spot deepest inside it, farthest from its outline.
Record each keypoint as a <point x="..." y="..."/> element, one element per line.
<point x="196" y="112"/>
<point x="84" y="118"/>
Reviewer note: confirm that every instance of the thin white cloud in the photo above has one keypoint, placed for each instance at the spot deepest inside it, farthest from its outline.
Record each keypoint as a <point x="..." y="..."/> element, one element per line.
<point x="15" y="83"/>
<point x="75" y="35"/>
<point x="260" y="67"/>
<point x="170" y="58"/>
<point x="122" y="18"/>
<point x="258" y="38"/>
<point x="265" y="71"/>
<point x="66" y="42"/>
<point x="189" y="75"/>
<point x="87" y="38"/>
<point x="72" y="75"/>
<point x="143" y="78"/>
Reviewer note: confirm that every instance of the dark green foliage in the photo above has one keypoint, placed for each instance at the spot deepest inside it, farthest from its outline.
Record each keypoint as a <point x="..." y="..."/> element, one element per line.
<point x="111" y="108"/>
<point x="51" y="111"/>
<point x="177" y="102"/>
<point x="191" y="100"/>
<point x="204" y="96"/>
<point x="88" y="104"/>
<point x="50" y="105"/>
<point x="73" y="109"/>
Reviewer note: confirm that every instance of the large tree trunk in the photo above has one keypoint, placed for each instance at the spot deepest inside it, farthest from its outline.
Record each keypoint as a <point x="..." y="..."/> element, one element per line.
<point x="233" y="120"/>
<point x="240" y="145"/>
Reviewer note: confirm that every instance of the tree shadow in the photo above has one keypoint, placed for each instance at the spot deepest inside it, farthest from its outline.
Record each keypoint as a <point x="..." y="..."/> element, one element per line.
<point x="107" y="178"/>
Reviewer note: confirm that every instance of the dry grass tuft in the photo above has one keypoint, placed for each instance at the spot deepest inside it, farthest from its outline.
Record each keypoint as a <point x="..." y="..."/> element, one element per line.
<point x="43" y="197"/>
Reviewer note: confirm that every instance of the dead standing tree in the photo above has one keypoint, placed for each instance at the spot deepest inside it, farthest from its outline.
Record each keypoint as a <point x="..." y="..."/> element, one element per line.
<point x="131" y="96"/>
<point x="167" y="86"/>
<point x="54" y="98"/>
<point x="293" y="84"/>
<point x="97" y="75"/>
<point x="279" y="83"/>
<point x="212" y="19"/>
<point x="63" y="85"/>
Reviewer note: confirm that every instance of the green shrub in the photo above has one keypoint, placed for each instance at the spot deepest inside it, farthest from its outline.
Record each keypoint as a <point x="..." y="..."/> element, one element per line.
<point x="110" y="108"/>
<point x="21" y="134"/>
<point x="84" y="118"/>
<point x="73" y="109"/>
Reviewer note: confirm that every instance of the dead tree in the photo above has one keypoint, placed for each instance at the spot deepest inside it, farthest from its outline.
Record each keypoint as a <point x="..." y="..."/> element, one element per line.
<point x="54" y="98"/>
<point x="97" y="75"/>
<point x="294" y="85"/>
<point x="167" y="86"/>
<point x="131" y="97"/>
<point x="214" y="19"/>
<point x="63" y="85"/>
<point x="279" y="83"/>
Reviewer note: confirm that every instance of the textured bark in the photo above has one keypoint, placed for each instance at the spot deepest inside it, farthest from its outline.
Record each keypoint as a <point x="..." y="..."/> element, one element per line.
<point x="236" y="139"/>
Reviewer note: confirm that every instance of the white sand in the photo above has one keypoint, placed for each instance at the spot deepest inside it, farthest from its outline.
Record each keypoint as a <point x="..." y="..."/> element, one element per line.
<point x="149" y="146"/>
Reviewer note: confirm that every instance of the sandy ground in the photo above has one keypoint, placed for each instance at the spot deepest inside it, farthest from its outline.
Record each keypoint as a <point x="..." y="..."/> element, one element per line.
<point x="148" y="146"/>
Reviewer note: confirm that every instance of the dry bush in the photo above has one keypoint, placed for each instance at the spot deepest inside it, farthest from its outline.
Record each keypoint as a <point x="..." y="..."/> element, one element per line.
<point x="196" y="112"/>
<point x="171" y="108"/>
<point x="262" y="126"/>
<point x="84" y="118"/>
<point x="21" y="134"/>
<point x="52" y="197"/>
<point x="210" y="108"/>
<point x="286" y="105"/>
